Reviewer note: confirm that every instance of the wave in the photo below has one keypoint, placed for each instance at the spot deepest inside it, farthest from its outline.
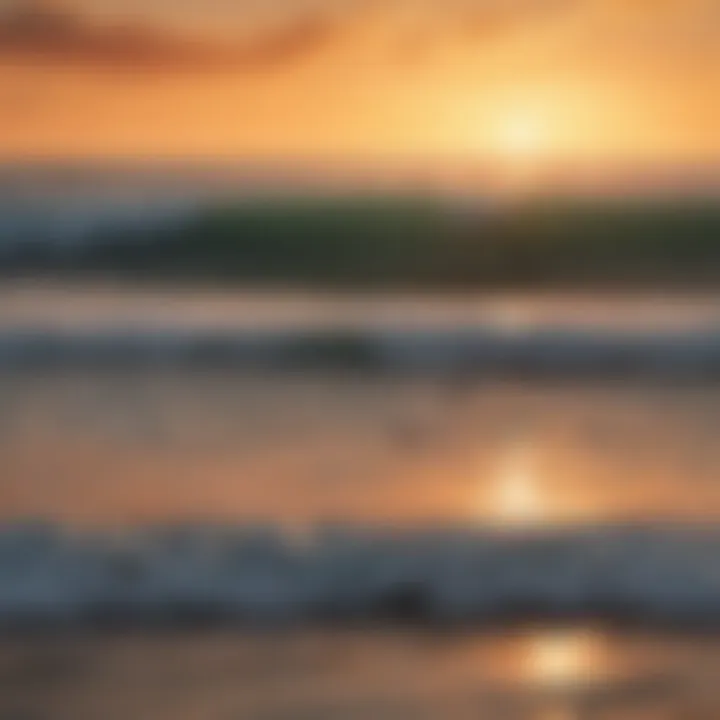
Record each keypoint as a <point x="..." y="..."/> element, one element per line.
<point x="489" y="350"/>
<point x="203" y="573"/>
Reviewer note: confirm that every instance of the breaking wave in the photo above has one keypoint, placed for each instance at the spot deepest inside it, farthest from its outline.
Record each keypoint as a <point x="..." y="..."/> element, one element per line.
<point x="537" y="351"/>
<point x="192" y="573"/>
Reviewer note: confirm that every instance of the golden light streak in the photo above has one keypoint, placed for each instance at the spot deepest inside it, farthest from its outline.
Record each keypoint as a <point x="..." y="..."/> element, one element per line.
<point x="517" y="499"/>
<point x="560" y="658"/>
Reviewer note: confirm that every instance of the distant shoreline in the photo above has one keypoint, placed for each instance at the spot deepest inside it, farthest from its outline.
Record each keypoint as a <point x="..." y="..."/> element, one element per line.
<point x="386" y="242"/>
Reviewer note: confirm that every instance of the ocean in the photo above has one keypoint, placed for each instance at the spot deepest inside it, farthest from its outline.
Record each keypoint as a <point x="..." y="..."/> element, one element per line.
<point x="271" y="503"/>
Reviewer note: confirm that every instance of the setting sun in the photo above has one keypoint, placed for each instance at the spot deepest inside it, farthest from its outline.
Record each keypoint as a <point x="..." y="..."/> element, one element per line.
<point x="522" y="137"/>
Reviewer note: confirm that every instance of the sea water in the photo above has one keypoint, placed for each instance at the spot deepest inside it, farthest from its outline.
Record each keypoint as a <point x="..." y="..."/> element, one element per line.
<point x="282" y="505"/>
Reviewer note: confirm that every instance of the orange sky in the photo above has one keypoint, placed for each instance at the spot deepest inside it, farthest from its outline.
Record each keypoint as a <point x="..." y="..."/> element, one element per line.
<point x="547" y="77"/>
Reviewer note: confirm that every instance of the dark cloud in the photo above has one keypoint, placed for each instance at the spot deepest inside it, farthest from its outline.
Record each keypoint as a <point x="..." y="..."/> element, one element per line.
<point x="43" y="31"/>
<point x="59" y="35"/>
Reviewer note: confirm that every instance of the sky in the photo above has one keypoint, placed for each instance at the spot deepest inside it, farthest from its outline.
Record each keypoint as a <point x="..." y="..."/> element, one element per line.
<point x="221" y="78"/>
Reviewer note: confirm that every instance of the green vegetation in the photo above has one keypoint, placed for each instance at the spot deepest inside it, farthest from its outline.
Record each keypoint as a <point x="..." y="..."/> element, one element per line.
<point x="396" y="241"/>
<point x="338" y="240"/>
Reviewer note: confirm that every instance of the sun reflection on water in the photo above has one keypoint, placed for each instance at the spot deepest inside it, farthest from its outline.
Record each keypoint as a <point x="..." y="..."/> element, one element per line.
<point x="563" y="658"/>
<point x="534" y="485"/>
<point x="566" y="664"/>
<point x="517" y="499"/>
<point x="558" y="673"/>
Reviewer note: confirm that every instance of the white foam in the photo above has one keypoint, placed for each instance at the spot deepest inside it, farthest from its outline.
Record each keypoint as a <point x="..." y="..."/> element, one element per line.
<point x="479" y="349"/>
<point x="184" y="573"/>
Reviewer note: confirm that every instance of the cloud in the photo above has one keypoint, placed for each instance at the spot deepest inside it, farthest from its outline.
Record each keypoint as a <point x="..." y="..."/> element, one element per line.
<point x="488" y="19"/>
<point x="395" y="31"/>
<point x="59" y="36"/>
<point x="45" y="31"/>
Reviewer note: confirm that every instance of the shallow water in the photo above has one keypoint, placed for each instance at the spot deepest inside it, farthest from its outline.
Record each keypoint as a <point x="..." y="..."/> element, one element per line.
<point x="370" y="674"/>
<point x="99" y="447"/>
<point x="103" y="305"/>
<point x="153" y="445"/>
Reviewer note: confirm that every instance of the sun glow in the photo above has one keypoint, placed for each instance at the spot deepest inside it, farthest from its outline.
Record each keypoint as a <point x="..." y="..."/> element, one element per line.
<point x="524" y="144"/>
<point x="521" y="137"/>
